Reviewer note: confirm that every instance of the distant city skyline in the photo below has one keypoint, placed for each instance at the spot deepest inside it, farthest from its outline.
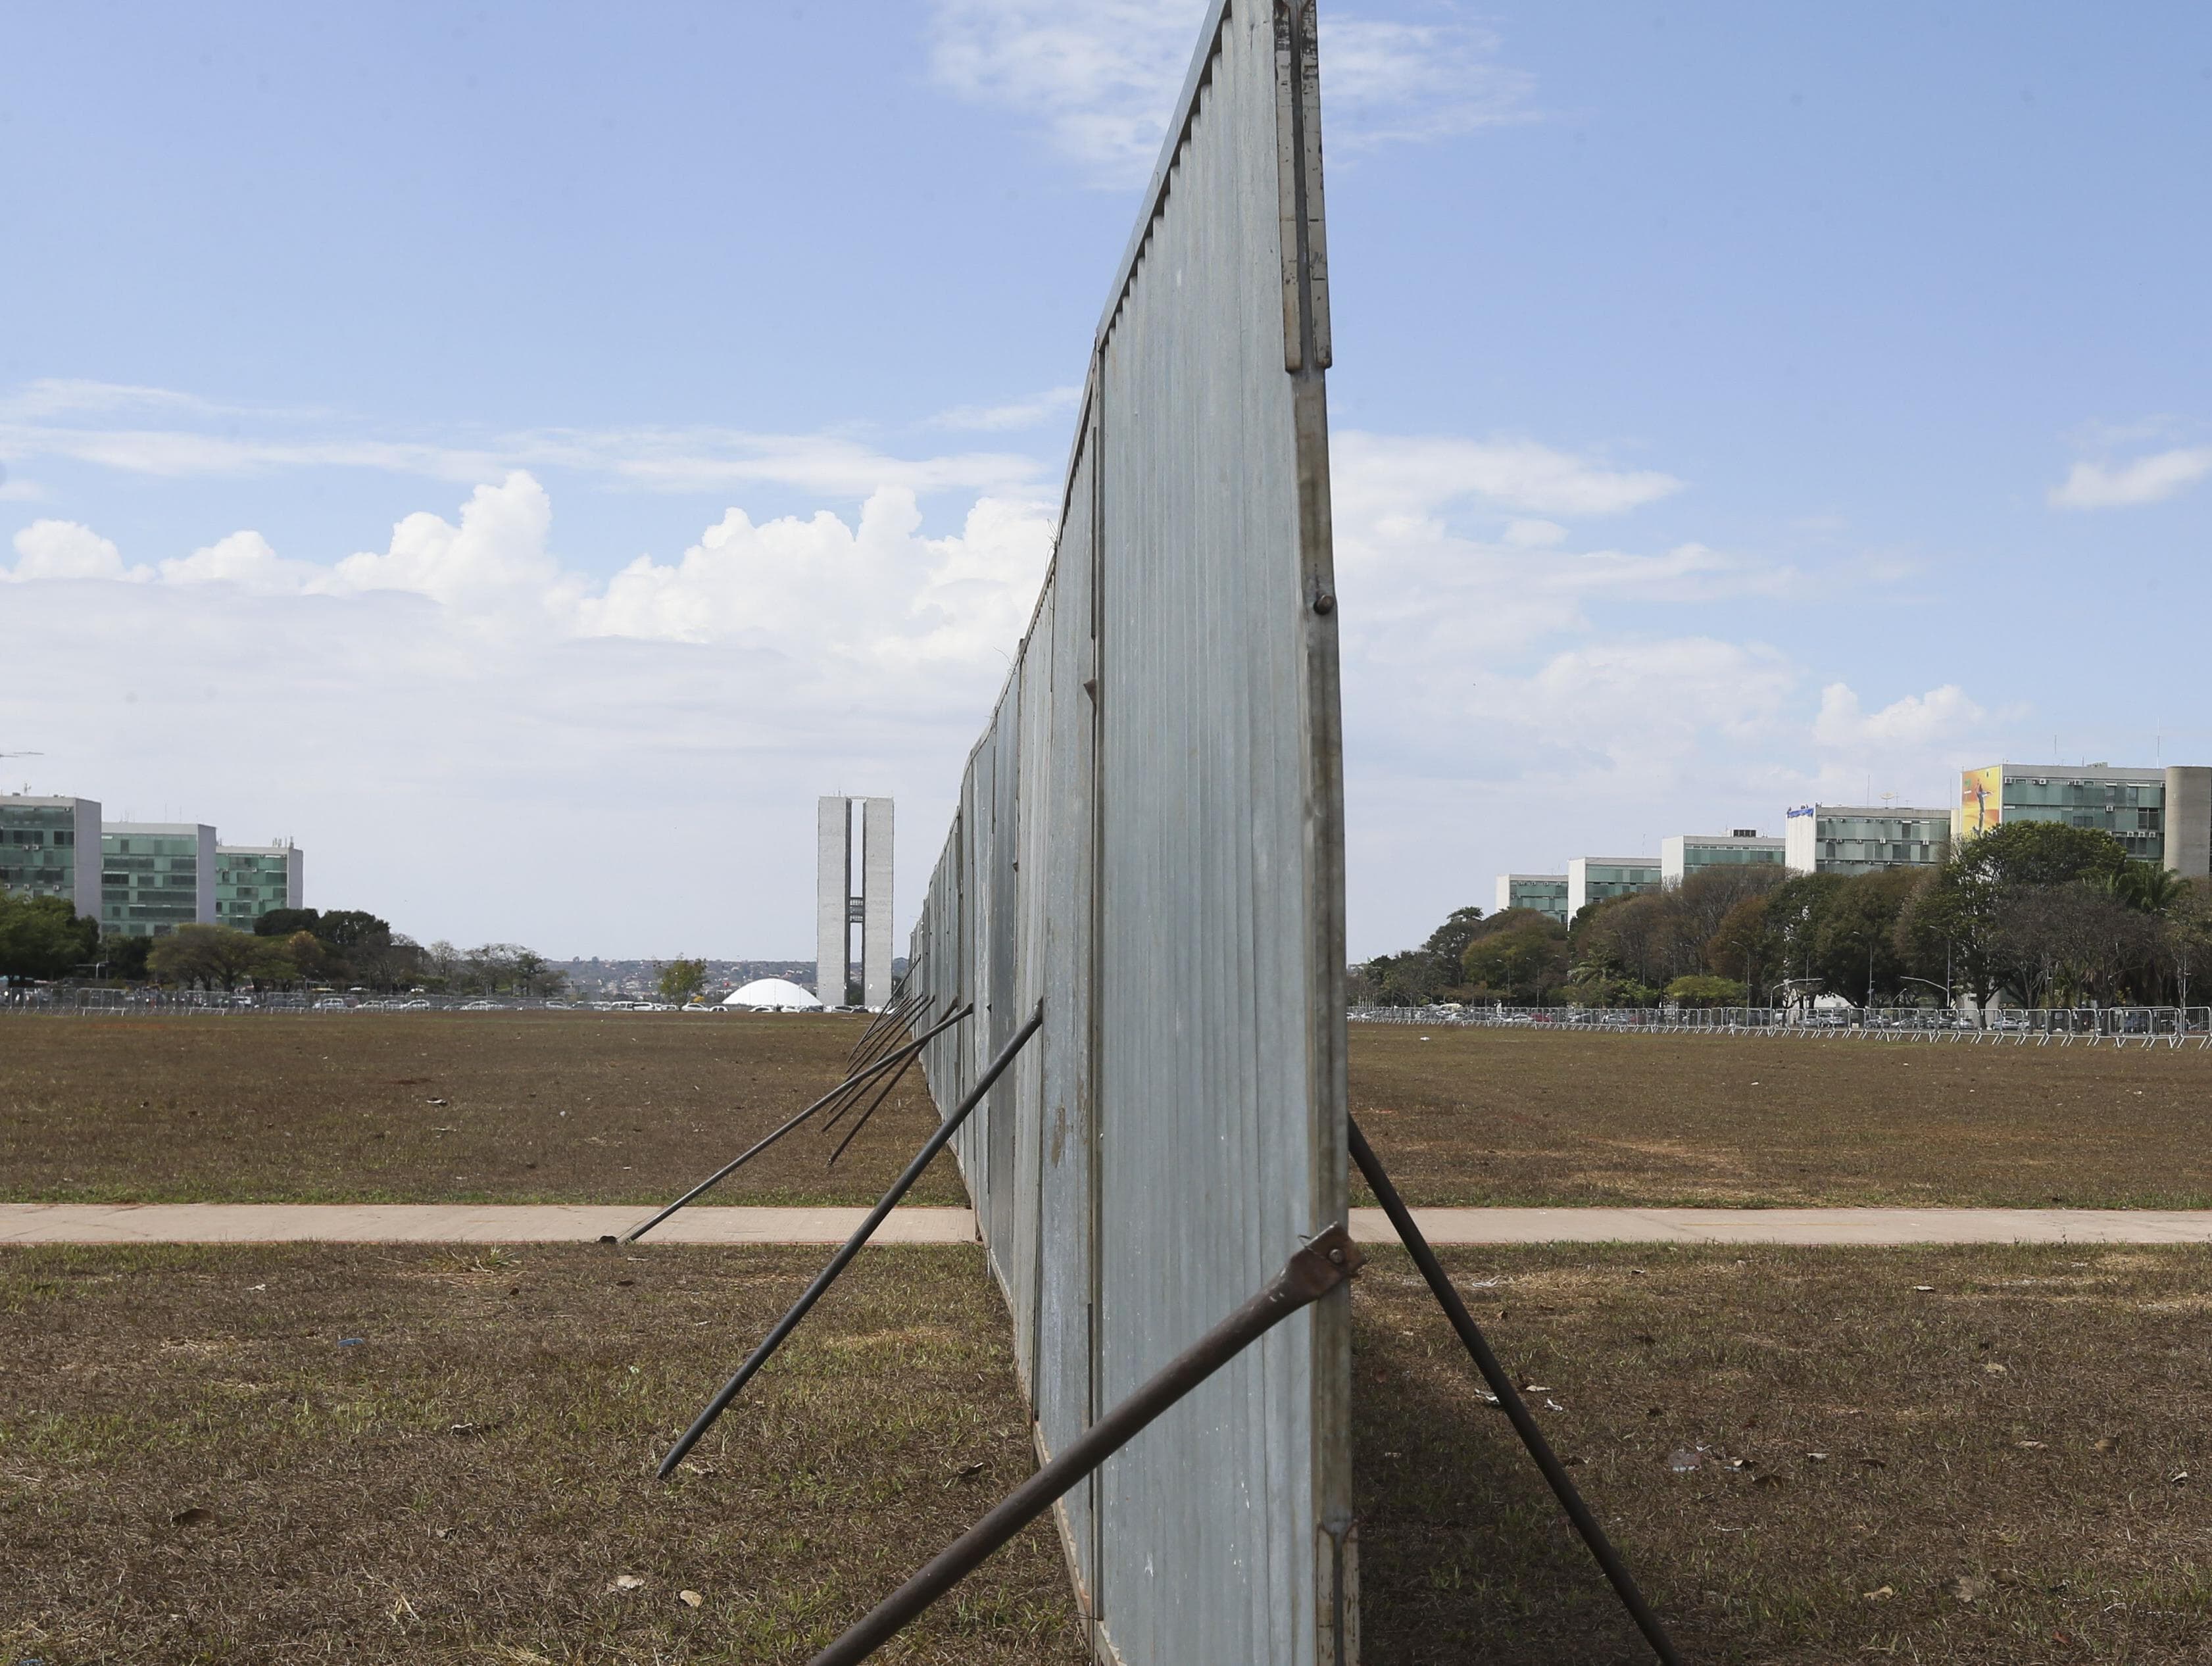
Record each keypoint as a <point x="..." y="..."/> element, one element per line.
<point x="528" y="470"/>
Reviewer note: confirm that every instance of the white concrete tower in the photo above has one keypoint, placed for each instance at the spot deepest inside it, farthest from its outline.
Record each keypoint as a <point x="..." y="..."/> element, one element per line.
<point x="876" y="902"/>
<point x="833" y="907"/>
<point x="837" y="909"/>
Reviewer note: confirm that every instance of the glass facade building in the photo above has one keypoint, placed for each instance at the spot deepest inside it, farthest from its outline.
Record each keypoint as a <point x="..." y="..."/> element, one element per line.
<point x="2160" y="815"/>
<point x="1842" y="838"/>
<point x="250" y="880"/>
<point x="1596" y="878"/>
<point x="155" y="877"/>
<point x="1546" y="893"/>
<point x="1688" y="854"/>
<point x="51" y="847"/>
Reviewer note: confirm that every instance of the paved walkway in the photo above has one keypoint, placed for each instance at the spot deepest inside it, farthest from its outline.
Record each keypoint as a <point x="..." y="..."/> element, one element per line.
<point x="1811" y="1226"/>
<point x="556" y="1223"/>
<point x="455" y="1223"/>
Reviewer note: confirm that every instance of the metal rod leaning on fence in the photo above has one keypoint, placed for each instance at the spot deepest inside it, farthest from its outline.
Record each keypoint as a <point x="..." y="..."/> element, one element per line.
<point x="887" y="1023"/>
<point x="891" y="1083"/>
<point x="909" y="1052"/>
<point x="1509" y="1399"/>
<point x="1311" y="1274"/>
<point x="851" y="1084"/>
<point x="887" y="1043"/>
<point x="852" y="1246"/>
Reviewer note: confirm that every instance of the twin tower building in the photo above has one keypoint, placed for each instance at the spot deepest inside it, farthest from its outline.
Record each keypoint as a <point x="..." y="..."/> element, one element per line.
<point x="839" y="907"/>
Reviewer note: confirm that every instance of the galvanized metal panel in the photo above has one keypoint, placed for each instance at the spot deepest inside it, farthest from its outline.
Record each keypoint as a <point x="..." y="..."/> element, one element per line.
<point x="1150" y="840"/>
<point x="996" y="1118"/>
<point x="1031" y="856"/>
<point x="1063" y="1376"/>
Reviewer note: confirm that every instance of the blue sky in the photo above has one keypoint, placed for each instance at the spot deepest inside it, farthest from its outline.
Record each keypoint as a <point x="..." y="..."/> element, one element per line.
<point x="526" y="453"/>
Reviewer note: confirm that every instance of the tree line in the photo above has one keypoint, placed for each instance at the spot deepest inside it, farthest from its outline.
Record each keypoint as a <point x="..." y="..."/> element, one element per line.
<point x="2032" y="913"/>
<point x="43" y="937"/>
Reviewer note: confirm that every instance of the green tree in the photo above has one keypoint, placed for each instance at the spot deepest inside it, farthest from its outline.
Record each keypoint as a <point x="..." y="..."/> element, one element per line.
<point x="282" y="923"/>
<point x="682" y="979"/>
<point x="1591" y="984"/>
<point x="1703" y="990"/>
<point x="311" y="958"/>
<point x="1953" y="918"/>
<point x="1520" y="956"/>
<point x="44" y="937"/>
<point x="216" y="957"/>
<point x="345" y="928"/>
<point x="1854" y="939"/>
<point x="2143" y="887"/>
<point x="123" y="957"/>
<point x="1746" y="947"/>
<point x="1449" y="941"/>
<point x="2187" y="938"/>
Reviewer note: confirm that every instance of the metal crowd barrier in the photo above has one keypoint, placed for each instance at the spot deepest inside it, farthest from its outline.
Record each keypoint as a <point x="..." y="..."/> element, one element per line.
<point x="2091" y="1026"/>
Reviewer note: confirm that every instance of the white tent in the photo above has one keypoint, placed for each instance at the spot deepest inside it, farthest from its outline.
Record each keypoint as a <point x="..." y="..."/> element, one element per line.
<point x="773" y="995"/>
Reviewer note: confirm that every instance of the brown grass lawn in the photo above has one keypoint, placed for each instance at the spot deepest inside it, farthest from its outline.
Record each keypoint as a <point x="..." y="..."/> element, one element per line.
<point x="1504" y="1116"/>
<point x="2000" y="1484"/>
<point x="610" y="1108"/>
<point x="435" y="1107"/>
<point x="1999" y="1478"/>
<point x="195" y="1466"/>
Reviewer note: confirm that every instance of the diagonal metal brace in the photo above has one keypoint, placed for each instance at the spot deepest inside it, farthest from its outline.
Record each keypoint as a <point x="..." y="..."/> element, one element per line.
<point x="1310" y="1274"/>
<point x="852" y="1246"/>
<point x="1509" y="1399"/>
<point x="852" y="1085"/>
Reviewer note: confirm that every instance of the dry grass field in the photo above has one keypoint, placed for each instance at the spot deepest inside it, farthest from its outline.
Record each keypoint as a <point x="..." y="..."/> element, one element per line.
<point x="617" y="1109"/>
<point x="1806" y="1457"/>
<point x="1986" y="1456"/>
<point x="198" y="1463"/>
<point x="434" y="1107"/>
<point x="1507" y="1116"/>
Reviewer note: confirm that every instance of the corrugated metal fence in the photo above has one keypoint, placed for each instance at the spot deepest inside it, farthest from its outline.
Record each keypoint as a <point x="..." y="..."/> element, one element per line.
<point x="1149" y="842"/>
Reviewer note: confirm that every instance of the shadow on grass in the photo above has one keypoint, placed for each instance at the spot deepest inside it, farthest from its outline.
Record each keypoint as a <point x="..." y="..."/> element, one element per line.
<point x="1464" y="1553"/>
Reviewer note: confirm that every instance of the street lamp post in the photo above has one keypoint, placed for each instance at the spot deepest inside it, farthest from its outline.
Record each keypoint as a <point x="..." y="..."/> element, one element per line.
<point x="1932" y="984"/>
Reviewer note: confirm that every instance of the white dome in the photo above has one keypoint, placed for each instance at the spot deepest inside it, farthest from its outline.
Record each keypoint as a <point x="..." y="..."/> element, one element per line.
<point x="768" y="992"/>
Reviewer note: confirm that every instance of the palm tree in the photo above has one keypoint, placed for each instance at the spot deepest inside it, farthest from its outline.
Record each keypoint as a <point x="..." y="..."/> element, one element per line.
<point x="2146" y="889"/>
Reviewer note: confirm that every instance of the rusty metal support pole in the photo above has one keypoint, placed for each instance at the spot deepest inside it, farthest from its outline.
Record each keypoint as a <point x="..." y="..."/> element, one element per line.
<point x="874" y="1040"/>
<point x="862" y="1121"/>
<point x="1310" y="1274"/>
<point x="1509" y="1399"/>
<point x="852" y="1246"/>
<point x="848" y="1085"/>
<point x="906" y="1051"/>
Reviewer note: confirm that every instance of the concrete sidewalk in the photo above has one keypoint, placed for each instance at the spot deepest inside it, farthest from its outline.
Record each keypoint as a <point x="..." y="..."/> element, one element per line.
<point x="561" y="1223"/>
<point x="456" y="1223"/>
<point x="1805" y="1227"/>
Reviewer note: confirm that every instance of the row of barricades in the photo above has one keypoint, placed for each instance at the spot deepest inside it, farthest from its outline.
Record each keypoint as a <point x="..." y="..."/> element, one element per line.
<point x="2092" y="1026"/>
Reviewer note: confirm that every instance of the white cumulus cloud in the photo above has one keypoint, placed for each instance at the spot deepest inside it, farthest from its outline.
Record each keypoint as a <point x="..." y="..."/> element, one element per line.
<point x="497" y="556"/>
<point x="245" y="559"/>
<point x="65" y="550"/>
<point x="1918" y="720"/>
